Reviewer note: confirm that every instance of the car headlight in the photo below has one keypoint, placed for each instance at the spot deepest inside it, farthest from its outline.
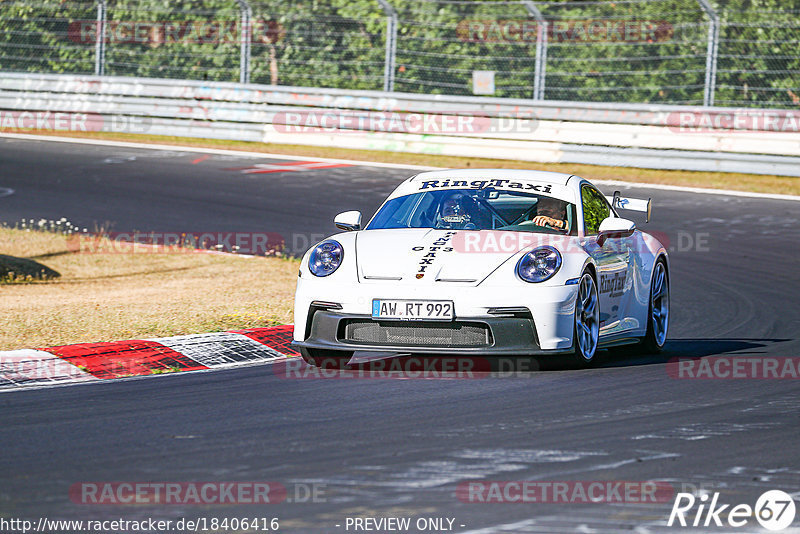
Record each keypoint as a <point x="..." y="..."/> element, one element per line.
<point x="539" y="264"/>
<point x="325" y="258"/>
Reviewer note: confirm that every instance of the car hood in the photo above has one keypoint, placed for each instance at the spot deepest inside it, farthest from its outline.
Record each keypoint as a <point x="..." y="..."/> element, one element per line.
<point x="428" y="256"/>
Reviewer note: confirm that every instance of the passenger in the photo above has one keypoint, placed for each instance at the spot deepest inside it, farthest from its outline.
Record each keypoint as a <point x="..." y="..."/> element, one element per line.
<point x="458" y="212"/>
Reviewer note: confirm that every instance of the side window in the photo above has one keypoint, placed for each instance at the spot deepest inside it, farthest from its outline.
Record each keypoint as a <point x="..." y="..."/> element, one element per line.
<point x="595" y="209"/>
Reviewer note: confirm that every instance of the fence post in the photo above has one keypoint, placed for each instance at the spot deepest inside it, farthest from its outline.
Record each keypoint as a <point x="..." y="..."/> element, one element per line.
<point x="540" y="65"/>
<point x="245" y="24"/>
<point x="711" y="52"/>
<point x="100" y="40"/>
<point x="391" y="45"/>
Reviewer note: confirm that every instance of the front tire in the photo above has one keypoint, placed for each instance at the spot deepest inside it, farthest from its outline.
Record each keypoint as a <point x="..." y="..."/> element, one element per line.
<point x="587" y="322"/>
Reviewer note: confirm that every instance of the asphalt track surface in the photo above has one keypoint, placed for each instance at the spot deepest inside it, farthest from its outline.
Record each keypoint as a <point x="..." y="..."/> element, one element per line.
<point x="384" y="447"/>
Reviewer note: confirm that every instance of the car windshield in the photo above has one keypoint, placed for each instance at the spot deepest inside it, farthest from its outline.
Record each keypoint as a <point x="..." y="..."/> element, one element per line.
<point x="477" y="209"/>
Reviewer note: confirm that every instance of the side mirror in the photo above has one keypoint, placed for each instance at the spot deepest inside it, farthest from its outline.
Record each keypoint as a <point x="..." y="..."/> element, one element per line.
<point x="348" y="221"/>
<point x="614" y="227"/>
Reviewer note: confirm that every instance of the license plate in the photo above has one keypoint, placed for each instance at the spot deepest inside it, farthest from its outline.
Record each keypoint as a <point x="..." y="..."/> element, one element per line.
<point x="441" y="310"/>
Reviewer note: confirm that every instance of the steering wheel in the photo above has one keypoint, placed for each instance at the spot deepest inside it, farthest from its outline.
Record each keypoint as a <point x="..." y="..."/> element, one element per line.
<point x="524" y="216"/>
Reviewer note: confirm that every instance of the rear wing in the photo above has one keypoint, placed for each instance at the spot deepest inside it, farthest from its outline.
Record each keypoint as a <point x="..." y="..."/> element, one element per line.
<point x="632" y="204"/>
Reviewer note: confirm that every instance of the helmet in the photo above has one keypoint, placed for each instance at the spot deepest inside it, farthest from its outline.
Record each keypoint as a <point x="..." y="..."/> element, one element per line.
<point x="454" y="211"/>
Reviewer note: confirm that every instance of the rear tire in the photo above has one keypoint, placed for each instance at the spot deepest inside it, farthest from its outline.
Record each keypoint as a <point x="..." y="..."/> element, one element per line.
<point x="586" y="332"/>
<point x="657" y="311"/>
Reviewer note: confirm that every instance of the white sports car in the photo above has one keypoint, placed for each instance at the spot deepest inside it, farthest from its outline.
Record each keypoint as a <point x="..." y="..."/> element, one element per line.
<point x="485" y="262"/>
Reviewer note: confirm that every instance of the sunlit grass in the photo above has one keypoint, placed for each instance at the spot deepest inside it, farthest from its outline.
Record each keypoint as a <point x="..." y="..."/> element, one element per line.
<point x="113" y="296"/>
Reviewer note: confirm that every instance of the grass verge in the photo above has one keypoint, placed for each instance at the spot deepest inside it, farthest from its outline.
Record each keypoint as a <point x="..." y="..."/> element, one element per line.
<point x="785" y="185"/>
<point x="115" y="296"/>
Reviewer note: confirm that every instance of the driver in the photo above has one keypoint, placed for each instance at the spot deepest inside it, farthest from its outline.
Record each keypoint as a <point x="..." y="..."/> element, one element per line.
<point x="550" y="212"/>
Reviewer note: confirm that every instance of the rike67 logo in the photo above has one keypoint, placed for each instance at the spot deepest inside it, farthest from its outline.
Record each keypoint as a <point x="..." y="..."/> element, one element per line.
<point x="774" y="510"/>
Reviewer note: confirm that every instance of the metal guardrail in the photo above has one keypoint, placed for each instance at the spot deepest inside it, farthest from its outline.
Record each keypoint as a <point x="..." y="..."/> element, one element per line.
<point x="648" y="136"/>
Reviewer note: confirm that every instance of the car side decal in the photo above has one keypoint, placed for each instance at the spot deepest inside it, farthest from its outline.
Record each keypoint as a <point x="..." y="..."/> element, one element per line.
<point x="437" y="246"/>
<point x="613" y="284"/>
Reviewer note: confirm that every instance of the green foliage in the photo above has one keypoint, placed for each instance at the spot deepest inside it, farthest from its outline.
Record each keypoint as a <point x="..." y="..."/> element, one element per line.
<point x="341" y="43"/>
<point x="34" y="37"/>
<point x="759" y="62"/>
<point x="595" y="209"/>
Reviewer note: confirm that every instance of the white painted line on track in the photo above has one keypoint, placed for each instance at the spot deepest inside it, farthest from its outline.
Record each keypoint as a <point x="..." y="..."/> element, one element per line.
<point x="221" y="151"/>
<point x="700" y="190"/>
<point x="227" y="152"/>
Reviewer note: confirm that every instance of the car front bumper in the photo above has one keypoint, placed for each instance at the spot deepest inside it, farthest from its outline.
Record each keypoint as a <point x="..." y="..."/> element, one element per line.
<point x="550" y="308"/>
<point x="485" y="336"/>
